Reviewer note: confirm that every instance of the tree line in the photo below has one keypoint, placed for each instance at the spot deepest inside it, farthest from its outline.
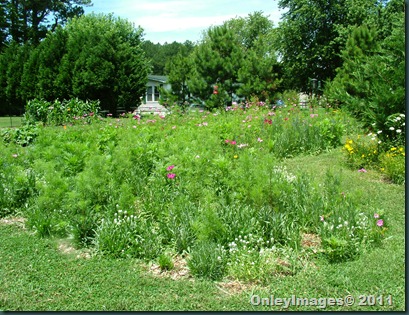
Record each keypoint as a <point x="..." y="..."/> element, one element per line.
<point x="341" y="43"/>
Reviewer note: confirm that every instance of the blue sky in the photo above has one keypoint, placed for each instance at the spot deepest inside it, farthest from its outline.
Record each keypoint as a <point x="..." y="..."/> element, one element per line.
<point x="180" y="20"/>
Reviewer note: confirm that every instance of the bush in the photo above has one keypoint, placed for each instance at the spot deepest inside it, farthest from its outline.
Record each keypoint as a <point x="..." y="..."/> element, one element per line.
<point x="59" y="113"/>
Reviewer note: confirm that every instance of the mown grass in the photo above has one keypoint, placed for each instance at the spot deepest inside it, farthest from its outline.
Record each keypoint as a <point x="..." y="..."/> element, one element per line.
<point x="12" y="121"/>
<point x="35" y="275"/>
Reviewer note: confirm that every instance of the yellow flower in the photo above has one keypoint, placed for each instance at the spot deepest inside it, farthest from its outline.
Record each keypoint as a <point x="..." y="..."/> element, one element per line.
<point x="65" y="127"/>
<point x="236" y="156"/>
<point x="400" y="149"/>
<point x="382" y="169"/>
<point x="393" y="149"/>
<point x="350" y="141"/>
<point x="68" y="110"/>
<point x="374" y="152"/>
<point x="363" y="155"/>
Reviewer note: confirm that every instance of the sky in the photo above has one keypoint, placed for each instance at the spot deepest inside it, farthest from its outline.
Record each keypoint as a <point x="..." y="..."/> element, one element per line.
<point x="181" y="20"/>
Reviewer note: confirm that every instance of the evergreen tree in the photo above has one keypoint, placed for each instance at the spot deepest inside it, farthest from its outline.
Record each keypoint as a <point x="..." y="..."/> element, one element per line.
<point x="371" y="82"/>
<point x="217" y="61"/>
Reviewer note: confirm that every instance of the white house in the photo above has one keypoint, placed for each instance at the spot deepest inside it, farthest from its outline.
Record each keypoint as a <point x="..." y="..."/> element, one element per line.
<point x="151" y="104"/>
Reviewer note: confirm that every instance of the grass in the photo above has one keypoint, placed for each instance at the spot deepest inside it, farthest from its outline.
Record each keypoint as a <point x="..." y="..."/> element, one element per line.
<point x="36" y="276"/>
<point x="12" y="121"/>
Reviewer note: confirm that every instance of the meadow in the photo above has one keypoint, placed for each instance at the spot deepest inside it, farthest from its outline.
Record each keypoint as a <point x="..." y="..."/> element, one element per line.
<point x="200" y="211"/>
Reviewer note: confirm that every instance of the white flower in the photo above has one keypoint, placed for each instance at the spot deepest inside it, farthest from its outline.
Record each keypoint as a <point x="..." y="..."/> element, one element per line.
<point x="391" y="128"/>
<point x="369" y="134"/>
<point x="398" y="130"/>
<point x="402" y="115"/>
<point x="398" y="118"/>
<point x="380" y="131"/>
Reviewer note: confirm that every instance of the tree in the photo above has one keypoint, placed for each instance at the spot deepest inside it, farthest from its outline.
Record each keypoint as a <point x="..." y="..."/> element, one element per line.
<point x="12" y="62"/>
<point x="178" y="70"/>
<point x="308" y="40"/>
<point x="371" y="82"/>
<point x="259" y="71"/>
<point x="217" y="60"/>
<point x="105" y="61"/>
<point x="160" y="54"/>
<point x="26" y="21"/>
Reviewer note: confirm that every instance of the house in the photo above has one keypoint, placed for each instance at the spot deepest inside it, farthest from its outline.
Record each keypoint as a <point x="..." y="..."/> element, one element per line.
<point x="151" y="104"/>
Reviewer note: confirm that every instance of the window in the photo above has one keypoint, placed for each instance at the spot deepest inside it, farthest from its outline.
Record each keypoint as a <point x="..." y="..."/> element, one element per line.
<point x="149" y="94"/>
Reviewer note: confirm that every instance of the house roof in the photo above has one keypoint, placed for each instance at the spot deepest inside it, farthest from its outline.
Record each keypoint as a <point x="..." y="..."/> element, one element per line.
<point x="158" y="78"/>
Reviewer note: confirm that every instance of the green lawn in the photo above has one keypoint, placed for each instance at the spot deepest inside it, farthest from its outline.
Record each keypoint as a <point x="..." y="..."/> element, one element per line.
<point x="13" y="121"/>
<point x="36" y="275"/>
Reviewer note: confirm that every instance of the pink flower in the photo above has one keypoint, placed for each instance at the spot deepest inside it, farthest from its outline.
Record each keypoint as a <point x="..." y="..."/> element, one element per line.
<point x="362" y="170"/>
<point x="171" y="167"/>
<point x="259" y="140"/>
<point x="233" y="142"/>
<point x="171" y="175"/>
<point x="227" y="141"/>
<point x="322" y="218"/>
<point x="376" y="216"/>
<point x="379" y="222"/>
<point x="204" y="123"/>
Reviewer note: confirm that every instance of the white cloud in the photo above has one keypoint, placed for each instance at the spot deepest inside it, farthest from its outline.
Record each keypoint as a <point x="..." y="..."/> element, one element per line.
<point x="169" y="20"/>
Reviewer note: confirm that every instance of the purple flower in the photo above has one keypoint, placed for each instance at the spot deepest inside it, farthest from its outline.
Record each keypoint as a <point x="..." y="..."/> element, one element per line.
<point x="171" y="175"/>
<point x="171" y="167"/>
<point x="379" y="222"/>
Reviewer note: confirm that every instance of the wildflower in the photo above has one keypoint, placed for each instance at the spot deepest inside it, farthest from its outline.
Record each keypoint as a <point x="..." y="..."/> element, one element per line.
<point x="379" y="222"/>
<point x="171" y="167"/>
<point x="398" y="130"/>
<point x="14" y="155"/>
<point x="259" y="140"/>
<point x="173" y="127"/>
<point x="376" y="215"/>
<point x="134" y="127"/>
<point x="242" y="145"/>
<point x="362" y="170"/>
<point x="233" y="142"/>
<point x="65" y="127"/>
<point x="322" y="218"/>
<point x="197" y="156"/>
<point x="236" y="156"/>
<point x="393" y="149"/>
<point x="391" y="128"/>
<point x="227" y="141"/>
<point x="286" y="118"/>
<point x="268" y="121"/>
<point x="171" y="176"/>
<point x="379" y="132"/>
<point x="363" y="155"/>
